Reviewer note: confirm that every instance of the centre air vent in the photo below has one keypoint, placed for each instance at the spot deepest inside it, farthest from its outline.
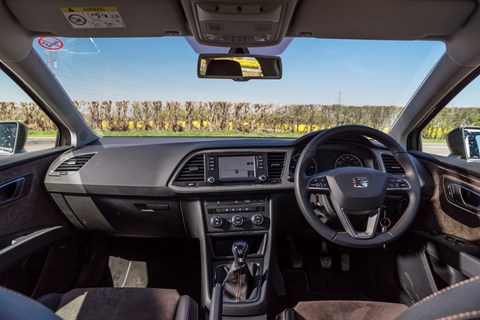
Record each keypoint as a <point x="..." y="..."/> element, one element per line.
<point x="72" y="164"/>
<point x="276" y="163"/>
<point x="193" y="171"/>
<point x="391" y="165"/>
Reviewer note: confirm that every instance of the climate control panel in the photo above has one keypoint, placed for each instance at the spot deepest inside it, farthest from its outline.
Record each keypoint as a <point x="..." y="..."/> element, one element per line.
<point x="237" y="215"/>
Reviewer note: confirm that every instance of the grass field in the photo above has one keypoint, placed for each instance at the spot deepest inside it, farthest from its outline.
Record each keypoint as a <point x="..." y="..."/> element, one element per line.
<point x="192" y="133"/>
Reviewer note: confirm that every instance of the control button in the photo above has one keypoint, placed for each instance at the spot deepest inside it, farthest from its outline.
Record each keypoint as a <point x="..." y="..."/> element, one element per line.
<point x="216" y="221"/>
<point x="237" y="221"/>
<point x="262" y="178"/>
<point x="211" y="180"/>
<point x="257" y="219"/>
<point x="320" y="183"/>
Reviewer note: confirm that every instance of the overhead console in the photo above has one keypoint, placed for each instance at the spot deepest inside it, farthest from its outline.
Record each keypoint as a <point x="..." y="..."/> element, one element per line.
<point x="227" y="168"/>
<point x="239" y="23"/>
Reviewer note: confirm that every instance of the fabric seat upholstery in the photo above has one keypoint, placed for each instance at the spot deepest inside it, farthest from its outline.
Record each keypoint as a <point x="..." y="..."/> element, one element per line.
<point x="101" y="303"/>
<point x="460" y="301"/>
<point x="343" y="310"/>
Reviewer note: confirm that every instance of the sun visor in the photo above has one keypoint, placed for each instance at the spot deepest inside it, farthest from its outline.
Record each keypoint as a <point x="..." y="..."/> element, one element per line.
<point x="380" y="19"/>
<point x="100" y="18"/>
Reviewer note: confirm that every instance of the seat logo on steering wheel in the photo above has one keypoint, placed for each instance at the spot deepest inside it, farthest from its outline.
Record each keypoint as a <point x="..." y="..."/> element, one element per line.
<point x="360" y="182"/>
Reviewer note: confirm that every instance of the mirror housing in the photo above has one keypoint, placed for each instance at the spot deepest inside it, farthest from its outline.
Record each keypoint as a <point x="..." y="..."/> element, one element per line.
<point x="239" y="67"/>
<point x="464" y="142"/>
<point x="13" y="135"/>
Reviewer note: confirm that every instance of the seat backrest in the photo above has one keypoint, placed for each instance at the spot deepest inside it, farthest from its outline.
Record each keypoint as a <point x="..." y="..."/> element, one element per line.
<point x="15" y="306"/>
<point x="459" y="301"/>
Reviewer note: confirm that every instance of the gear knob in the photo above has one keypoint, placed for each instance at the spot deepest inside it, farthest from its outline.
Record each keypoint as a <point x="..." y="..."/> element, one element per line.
<point x="240" y="251"/>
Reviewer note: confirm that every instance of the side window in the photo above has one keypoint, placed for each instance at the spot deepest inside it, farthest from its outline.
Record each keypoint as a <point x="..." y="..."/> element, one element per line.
<point x="24" y="127"/>
<point x="455" y="131"/>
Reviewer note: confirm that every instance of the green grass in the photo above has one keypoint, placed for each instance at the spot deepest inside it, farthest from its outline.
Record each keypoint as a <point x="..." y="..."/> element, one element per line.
<point x="192" y="133"/>
<point x="46" y="134"/>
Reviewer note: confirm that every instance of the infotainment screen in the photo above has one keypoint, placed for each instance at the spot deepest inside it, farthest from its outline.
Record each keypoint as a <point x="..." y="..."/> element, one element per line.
<point x="236" y="167"/>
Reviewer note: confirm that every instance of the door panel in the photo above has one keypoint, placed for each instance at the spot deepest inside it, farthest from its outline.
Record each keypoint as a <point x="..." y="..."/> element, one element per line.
<point x="39" y="251"/>
<point x="444" y="247"/>
<point x="444" y="215"/>
<point x="34" y="209"/>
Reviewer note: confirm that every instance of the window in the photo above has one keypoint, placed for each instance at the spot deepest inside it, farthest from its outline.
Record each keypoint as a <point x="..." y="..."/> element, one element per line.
<point x="16" y="105"/>
<point x="462" y="112"/>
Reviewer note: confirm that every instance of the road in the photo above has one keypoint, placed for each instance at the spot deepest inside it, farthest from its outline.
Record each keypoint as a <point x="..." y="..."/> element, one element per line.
<point x="436" y="148"/>
<point x="34" y="144"/>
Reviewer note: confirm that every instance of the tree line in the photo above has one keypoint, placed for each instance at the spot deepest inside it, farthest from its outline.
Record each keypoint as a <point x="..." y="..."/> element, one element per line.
<point x="253" y="118"/>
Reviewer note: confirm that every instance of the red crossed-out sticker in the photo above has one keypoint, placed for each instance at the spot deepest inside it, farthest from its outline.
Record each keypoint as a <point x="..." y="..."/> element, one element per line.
<point x="50" y="43"/>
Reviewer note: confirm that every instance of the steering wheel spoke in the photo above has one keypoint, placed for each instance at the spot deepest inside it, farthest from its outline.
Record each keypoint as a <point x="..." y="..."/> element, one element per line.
<point x="372" y="223"/>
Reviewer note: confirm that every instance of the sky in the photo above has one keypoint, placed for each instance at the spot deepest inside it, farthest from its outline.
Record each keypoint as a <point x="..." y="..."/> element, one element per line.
<point x="315" y="71"/>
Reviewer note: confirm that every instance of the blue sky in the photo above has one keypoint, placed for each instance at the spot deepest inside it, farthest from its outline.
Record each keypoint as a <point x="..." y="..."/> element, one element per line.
<point x="314" y="71"/>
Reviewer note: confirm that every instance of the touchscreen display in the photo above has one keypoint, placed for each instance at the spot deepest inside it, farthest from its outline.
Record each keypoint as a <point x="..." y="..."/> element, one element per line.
<point x="236" y="167"/>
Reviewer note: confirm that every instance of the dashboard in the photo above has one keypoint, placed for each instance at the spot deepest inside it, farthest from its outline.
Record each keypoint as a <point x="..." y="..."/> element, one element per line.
<point x="136" y="186"/>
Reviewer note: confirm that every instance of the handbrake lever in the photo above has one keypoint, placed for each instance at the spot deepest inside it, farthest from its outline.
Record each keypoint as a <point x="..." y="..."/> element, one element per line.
<point x="216" y="307"/>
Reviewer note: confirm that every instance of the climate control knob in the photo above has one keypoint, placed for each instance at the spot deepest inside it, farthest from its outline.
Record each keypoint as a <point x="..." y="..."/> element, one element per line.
<point x="262" y="178"/>
<point x="237" y="221"/>
<point x="216" y="221"/>
<point x="257" y="219"/>
<point x="211" y="180"/>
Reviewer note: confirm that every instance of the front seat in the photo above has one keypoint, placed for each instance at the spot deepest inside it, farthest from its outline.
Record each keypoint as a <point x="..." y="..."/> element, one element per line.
<point x="457" y="302"/>
<point x="100" y="303"/>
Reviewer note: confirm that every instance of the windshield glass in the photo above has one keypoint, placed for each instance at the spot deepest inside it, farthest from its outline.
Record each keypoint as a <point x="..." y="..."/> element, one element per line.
<point x="149" y="86"/>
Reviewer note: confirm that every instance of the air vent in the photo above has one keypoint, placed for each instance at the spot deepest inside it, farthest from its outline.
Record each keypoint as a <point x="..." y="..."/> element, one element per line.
<point x="74" y="164"/>
<point x="276" y="162"/>
<point x="193" y="171"/>
<point x="391" y="165"/>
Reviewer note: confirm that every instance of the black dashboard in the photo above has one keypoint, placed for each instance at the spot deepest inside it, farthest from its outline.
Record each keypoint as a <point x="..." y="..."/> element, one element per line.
<point x="135" y="186"/>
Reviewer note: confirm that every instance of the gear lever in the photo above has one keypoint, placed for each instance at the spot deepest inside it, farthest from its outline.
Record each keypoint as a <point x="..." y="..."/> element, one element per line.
<point x="239" y="282"/>
<point x="240" y="251"/>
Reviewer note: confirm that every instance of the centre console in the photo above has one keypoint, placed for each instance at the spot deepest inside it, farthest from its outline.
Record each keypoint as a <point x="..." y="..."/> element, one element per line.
<point x="236" y="242"/>
<point x="249" y="214"/>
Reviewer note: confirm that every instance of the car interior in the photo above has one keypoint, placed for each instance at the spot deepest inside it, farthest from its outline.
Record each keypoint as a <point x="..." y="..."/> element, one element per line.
<point x="347" y="222"/>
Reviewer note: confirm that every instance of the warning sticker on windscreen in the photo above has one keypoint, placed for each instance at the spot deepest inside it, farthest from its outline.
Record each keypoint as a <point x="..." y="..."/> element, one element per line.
<point x="93" y="17"/>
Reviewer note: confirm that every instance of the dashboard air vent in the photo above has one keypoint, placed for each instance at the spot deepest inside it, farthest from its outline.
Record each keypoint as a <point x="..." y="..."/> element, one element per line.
<point x="276" y="162"/>
<point x="74" y="163"/>
<point x="391" y="165"/>
<point x="193" y="171"/>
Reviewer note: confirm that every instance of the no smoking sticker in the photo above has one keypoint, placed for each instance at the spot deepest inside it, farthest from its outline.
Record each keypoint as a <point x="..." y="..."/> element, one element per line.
<point x="50" y="43"/>
<point x="93" y="17"/>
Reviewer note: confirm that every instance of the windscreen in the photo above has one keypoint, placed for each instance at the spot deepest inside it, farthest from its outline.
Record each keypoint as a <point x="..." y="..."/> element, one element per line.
<point x="150" y="87"/>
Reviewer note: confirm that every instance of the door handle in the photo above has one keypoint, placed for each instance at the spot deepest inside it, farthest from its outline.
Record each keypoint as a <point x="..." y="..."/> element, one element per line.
<point x="14" y="189"/>
<point x="463" y="196"/>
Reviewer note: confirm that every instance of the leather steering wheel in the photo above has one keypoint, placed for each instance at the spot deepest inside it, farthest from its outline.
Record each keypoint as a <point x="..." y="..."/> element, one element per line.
<point x="357" y="191"/>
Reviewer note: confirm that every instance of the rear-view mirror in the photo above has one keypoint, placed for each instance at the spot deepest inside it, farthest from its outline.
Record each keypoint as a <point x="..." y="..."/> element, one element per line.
<point x="13" y="136"/>
<point x="464" y="142"/>
<point x="239" y="67"/>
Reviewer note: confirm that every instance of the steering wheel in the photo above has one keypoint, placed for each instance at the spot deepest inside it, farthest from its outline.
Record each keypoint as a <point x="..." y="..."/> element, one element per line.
<point x="357" y="191"/>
